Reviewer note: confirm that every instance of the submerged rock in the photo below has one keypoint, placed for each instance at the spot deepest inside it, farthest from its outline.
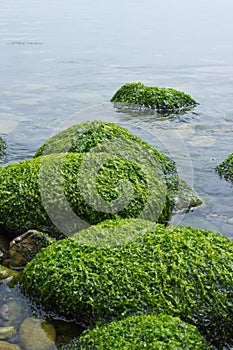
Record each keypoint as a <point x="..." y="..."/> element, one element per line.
<point x="8" y="346"/>
<point x="7" y="332"/>
<point x="142" y="332"/>
<point x="161" y="99"/>
<point x="9" y="276"/>
<point x="23" y="248"/>
<point x="180" y="271"/>
<point x="36" y="334"/>
<point x="186" y="198"/>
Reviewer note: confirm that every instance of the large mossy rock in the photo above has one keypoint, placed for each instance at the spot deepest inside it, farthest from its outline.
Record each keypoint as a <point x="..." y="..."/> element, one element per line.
<point x="225" y="169"/>
<point x="62" y="193"/>
<point x="99" y="136"/>
<point x="161" y="99"/>
<point x="179" y="271"/>
<point x="113" y="233"/>
<point x="149" y="332"/>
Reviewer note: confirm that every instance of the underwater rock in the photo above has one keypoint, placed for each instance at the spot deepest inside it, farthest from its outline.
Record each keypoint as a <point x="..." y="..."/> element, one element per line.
<point x="186" y="198"/>
<point x="23" y="248"/>
<point x="180" y="271"/>
<point x="141" y="332"/>
<point x="225" y="169"/>
<point x="161" y="99"/>
<point x="7" y="332"/>
<point x="36" y="334"/>
<point x="8" y="346"/>
<point x="9" y="276"/>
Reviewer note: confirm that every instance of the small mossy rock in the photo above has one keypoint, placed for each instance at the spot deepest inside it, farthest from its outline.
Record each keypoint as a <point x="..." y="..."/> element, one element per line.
<point x="161" y="99"/>
<point x="179" y="271"/>
<point x="95" y="136"/>
<point x="23" y="248"/>
<point x="2" y="149"/>
<point x="113" y="233"/>
<point x="225" y="169"/>
<point x="61" y="193"/>
<point x="142" y="332"/>
<point x="36" y="334"/>
<point x="9" y="276"/>
<point x="7" y="332"/>
<point x="8" y="346"/>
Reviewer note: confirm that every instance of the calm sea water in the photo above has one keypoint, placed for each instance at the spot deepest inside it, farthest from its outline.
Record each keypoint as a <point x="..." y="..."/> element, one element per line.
<point x="61" y="61"/>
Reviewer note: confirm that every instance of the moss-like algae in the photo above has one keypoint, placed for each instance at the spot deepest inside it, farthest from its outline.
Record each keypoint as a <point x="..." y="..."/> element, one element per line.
<point x="180" y="271"/>
<point x="54" y="194"/>
<point x="113" y="233"/>
<point x="150" y="332"/>
<point x="225" y="169"/>
<point x="96" y="135"/>
<point x="161" y="99"/>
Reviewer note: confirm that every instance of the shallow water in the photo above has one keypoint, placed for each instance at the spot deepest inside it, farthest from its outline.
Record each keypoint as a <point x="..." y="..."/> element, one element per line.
<point x="61" y="62"/>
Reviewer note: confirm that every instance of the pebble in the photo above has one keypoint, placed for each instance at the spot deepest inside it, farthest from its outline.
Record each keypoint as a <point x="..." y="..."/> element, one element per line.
<point x="8" y="346"/>
<point x="36" y="334"/>
<point x="7" y="332"/>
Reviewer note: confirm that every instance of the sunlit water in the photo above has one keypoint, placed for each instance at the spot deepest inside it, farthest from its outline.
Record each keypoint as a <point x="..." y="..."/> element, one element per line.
<point x="61" y="61"/>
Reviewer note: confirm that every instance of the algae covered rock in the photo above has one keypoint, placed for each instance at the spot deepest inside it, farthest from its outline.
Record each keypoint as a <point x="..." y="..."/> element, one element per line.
<point x="61" y="193"/>
<point x="225" y="169"/>
<point x="142" y="332"/>
<point x="180" y="271"/>
<point x="36" y="334"/>
<point x="113" y="233"/>
<point x="2" y="149"/>
<point x="98" y="136"/>
<point x="161" y="99"/>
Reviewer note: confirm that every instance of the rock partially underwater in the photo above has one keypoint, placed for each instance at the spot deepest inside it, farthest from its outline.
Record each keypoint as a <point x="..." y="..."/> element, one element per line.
<point x="98" y="136"/>
<point x="161" y="99"/>
<point x="142" y="332"/>
<point x="56" y="194"/>
<point x="225" y="169"/>
<point x="2" y="149"/>
<point x="179" y="271"/>
<point x="83" y="175"/>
